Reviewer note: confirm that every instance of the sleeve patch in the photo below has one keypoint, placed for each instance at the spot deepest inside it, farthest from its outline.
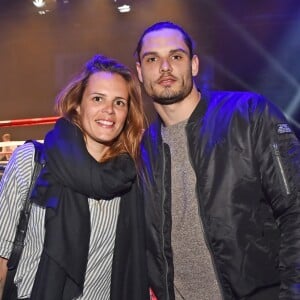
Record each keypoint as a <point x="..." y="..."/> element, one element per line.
<point x="283" y="128"/>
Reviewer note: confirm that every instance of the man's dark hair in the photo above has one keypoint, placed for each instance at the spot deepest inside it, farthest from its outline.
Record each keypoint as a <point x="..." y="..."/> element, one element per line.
<point x="165" y="25"/>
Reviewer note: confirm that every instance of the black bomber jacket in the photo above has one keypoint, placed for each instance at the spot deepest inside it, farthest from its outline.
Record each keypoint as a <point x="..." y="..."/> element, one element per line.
<point x="247" y="164"/>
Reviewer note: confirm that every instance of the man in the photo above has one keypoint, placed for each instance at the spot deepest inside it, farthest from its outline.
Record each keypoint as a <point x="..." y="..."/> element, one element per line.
<point x="5" y="154"/>
<point x="221" y="186"/>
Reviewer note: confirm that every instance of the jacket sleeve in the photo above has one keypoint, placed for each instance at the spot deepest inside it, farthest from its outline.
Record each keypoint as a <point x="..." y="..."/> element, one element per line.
<point x="13" y="187"/>
<point x="277" y="150"/>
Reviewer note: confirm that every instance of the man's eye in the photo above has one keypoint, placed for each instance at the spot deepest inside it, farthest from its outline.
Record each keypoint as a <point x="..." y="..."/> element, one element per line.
<point x="177" y="57"/>
<point x="151" y="59"/>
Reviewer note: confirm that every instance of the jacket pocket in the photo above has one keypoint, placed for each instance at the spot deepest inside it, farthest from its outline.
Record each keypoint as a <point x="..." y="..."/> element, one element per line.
<point x="281" y="169"/>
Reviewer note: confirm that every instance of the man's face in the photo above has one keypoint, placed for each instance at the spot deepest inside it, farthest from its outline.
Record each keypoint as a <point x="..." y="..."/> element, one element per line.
<point x="166" y="69"/>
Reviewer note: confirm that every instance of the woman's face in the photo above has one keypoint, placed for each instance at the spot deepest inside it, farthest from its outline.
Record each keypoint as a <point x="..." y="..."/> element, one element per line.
<point x="103" y="110"/>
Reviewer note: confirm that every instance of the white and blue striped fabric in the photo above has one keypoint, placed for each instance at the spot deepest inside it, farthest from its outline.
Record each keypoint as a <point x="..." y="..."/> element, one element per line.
<point x="103" y="218"/>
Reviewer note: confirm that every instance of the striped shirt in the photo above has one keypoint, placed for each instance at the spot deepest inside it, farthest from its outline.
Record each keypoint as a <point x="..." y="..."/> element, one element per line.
<point x="103" y="218"/>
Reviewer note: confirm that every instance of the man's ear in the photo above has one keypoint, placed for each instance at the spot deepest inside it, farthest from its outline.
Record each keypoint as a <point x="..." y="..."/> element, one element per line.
<point x="139" y="71"/>
<point x="195" y="65"/>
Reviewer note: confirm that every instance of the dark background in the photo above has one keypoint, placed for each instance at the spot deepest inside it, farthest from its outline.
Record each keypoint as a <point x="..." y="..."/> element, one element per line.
<point x="243" y="45"/>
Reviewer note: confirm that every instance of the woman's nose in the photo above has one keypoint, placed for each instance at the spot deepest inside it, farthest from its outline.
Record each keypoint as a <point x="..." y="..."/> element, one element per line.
<point x="108" y="107"/>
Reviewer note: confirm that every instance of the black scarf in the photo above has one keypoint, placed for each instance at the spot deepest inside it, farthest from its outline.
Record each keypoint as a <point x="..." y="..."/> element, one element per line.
<point x="70" y="177"/>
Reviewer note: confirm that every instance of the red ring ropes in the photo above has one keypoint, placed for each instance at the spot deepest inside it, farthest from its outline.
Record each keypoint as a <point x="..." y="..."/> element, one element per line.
<point x="28" y="122"/>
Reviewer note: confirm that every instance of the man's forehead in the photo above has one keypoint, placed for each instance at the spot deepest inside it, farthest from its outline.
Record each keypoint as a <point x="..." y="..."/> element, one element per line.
<point x="163" y="39"/>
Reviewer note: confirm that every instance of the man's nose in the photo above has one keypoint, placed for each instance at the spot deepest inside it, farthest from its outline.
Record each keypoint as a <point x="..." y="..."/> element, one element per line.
<point x="165" y="66"/>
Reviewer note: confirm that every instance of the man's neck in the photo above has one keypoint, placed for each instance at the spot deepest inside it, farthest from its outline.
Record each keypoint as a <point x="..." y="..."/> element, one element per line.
<point x="180" y="111"/>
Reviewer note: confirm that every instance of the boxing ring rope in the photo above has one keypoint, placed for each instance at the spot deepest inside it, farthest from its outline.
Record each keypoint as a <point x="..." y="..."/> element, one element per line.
<point x="28" y="122"/>
<point x="20" y="122"/>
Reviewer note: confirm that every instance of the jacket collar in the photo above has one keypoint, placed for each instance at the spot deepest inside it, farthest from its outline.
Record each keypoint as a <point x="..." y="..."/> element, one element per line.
<point x="199" y="110"/>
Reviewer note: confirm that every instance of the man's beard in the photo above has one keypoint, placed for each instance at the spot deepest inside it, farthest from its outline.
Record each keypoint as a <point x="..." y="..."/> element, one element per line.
<point x="169" y="97"/>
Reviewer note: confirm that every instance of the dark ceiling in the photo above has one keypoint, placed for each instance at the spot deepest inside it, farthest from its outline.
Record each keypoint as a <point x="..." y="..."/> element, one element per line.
<point x="242" y="44"/>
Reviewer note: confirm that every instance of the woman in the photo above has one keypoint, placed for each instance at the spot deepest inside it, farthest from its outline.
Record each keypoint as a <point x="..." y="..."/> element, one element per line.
<point x="85" y="233"/>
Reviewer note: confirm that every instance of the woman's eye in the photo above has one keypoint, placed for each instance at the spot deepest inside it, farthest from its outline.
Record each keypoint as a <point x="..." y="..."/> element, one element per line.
<point x="97" y="98"/>
<point x="120" y="102"/>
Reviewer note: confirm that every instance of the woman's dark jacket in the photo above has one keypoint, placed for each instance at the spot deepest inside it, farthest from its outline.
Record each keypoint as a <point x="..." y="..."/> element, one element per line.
<point x="247" y="164"/>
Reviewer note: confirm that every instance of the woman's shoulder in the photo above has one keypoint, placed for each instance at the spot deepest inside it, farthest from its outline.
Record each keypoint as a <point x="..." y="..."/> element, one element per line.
<point x="22" y="159"/>
<point x="24" y="152"/>
<point x="17" y="174"/>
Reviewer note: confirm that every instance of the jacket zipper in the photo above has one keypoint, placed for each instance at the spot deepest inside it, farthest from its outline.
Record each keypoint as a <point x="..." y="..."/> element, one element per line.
<point x="201" y="216"/>
<point x="281" y="169"/>
<point x="163" y="219"/>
